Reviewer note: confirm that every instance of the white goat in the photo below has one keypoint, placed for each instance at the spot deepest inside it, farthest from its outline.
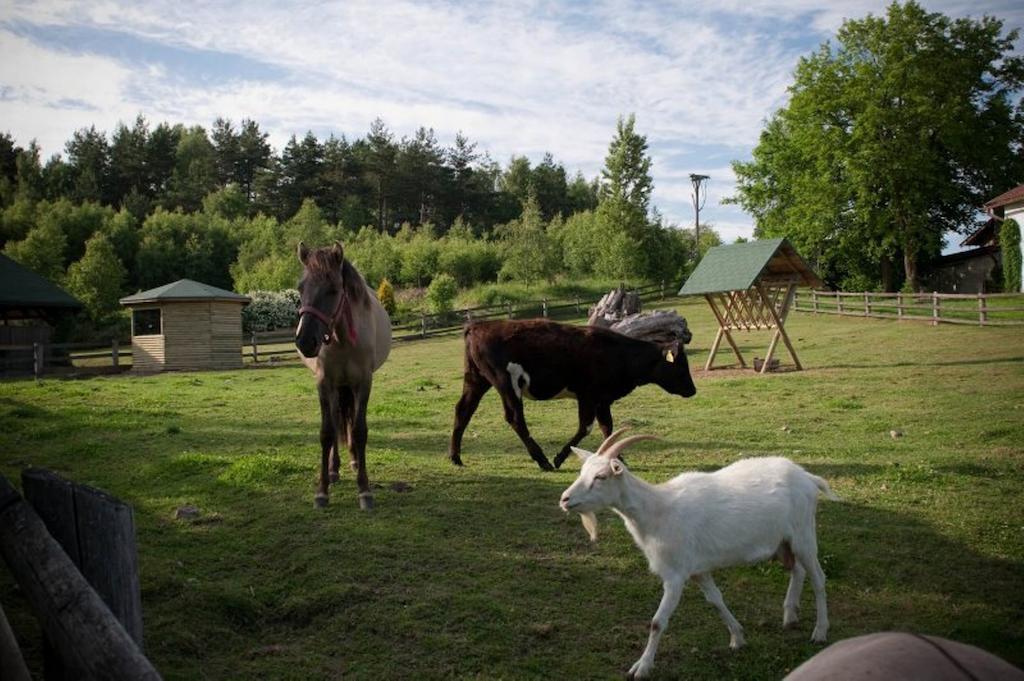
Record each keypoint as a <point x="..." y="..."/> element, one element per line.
<point x="744" y="513"/>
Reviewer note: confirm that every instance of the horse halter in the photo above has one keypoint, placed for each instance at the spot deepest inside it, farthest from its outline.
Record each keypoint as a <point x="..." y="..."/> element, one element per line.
<point x="343" y="309"/>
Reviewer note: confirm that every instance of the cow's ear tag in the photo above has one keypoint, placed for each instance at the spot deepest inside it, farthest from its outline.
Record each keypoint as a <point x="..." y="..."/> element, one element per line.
<point x="670" y="357"/>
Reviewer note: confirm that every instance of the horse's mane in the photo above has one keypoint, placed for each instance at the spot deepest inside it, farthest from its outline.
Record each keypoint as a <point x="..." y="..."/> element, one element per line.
<point x="323" y="263"/>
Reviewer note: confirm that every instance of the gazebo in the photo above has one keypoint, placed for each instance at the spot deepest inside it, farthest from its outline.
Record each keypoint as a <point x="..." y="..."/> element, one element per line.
<point x="186" y="326"/>
<point x="750" y="286"/>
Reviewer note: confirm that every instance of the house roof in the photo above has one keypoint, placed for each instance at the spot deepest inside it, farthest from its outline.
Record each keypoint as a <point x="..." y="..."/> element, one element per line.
<point x="1015" y="195"/>
<point x="184" y="290"/>
<point x="984" y="235"/>
<point x="23" y="293"/>
<point x="735" y="267"/>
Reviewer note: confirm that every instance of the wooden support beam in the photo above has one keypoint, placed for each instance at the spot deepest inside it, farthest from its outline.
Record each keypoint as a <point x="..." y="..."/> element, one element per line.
<point x="89" y="638"/>
<point x="780" y="323"/>
<point x="12" y="664"/>
<point x="725" y="331"/>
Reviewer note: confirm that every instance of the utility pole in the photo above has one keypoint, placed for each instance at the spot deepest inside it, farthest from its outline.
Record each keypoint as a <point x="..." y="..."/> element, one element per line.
<point x="698" y="203"/>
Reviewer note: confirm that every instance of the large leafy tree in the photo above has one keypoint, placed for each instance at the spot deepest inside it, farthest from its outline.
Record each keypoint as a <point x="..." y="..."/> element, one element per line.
<point x="892" y="137"/>
<point x="97" y="279"/>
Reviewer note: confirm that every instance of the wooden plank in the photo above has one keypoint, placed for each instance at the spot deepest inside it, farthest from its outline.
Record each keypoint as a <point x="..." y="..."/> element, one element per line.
<point x="89" y="638"/>
<point x="779" y="324"/>
<point x="725" y="331"/>
<point x="12" y="664"/>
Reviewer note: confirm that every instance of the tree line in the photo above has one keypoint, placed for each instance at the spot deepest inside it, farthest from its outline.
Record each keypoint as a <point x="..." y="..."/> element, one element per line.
<point x="150" y="206"/>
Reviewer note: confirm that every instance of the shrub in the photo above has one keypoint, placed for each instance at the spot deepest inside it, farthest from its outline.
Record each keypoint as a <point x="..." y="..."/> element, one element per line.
<point x="1009" y="242"/>
<point x="441" y="293"/>
<point x="270" y="310"/>
<point x="386" y="295"/>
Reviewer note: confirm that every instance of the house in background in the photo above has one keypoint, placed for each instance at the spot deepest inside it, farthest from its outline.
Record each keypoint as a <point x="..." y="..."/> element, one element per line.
<point x="969" y="271"/>
<point x="30" y="305"/>
<point x="1006" y="206"/>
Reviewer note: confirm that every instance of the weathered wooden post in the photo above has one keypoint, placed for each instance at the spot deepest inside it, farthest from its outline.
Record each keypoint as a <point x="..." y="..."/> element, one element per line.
<point x="935" y="308"/>
<point x="839" y="303"/>
<point x="115" y="353"/>
<point x="544" y="307"/>
<point x="662" y="289"/>
<point x="12" y="664"/>
<point x="423" y="326"/>
<point x="92" y="643"/>
<point x="899" y="305"/>
<point x="867" y="305"/>
<point x="509" y="305"/>
<point x="37" y="359"/>
<point x="814" y="301"/>
<point x="577" y="304"/>
<point x="982" y="312"/>
<point x="255" y="350"/>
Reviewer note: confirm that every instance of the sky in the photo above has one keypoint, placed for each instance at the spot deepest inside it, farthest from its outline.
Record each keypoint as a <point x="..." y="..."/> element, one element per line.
<point x="520" y="78"/>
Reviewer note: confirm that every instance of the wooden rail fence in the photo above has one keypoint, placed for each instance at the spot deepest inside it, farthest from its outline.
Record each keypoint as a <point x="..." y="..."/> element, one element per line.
<point x="983" y="309"/>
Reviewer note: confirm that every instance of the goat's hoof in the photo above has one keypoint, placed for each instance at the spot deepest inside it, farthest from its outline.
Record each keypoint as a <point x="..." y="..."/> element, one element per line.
<point x="789" y="620"/>
<point x="639" y="670"/>
<point x="320" y="500"/>
<point x="365" y="501"/>
<point x="737" y="642"/>
<point x="819" y="635"/>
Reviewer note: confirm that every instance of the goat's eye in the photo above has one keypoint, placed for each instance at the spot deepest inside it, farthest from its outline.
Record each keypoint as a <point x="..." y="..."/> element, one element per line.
<point x="601" y="477"/>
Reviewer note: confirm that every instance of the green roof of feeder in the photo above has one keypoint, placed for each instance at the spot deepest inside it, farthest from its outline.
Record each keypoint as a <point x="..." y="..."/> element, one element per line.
<point x="736" y="267"/>
<point x="184" y="290"/>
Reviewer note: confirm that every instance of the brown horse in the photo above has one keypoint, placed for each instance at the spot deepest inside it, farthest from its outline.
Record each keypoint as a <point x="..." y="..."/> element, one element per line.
<point x="344" y="335"/>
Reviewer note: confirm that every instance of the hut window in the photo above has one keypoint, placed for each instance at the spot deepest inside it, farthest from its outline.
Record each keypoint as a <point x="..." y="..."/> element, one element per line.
<point x="146" y="322"/>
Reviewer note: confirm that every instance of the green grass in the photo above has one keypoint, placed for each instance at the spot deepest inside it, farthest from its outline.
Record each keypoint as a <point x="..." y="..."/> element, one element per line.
<point x="475" y="573"/>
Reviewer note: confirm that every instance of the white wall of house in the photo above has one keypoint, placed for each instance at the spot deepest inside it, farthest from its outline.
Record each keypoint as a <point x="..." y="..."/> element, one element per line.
<point x="1016" y="211"/>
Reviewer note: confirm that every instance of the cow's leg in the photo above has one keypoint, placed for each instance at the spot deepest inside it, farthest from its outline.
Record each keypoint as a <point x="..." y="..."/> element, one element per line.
<point x="357" y="442"/>
<point x="586" y="414"/>
<point x="515" y="417"/>
<point x="344" y="418"/>
<point x="474" y="385"/>
<point x="328" y="440"/>
<point x="604" y="418"/>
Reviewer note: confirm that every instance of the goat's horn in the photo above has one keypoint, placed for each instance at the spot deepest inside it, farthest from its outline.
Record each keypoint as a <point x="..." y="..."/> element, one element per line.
<point x="610" y="439"/>
<point x="615" y="450"/>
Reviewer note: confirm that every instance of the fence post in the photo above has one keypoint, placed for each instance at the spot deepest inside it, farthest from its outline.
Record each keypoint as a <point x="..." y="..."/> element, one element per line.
<point x="663" y="289"/>
<point x="839" y="303"/>
<point x="423" y="326"/>
<point x="867" y="305"/>
<point x="544" y="307"/>
<point x="577" y="304"/>
<point x="814" y="301"/>
<point x="982" y="316"/>
<point x="899" y="304"/>
<point x="255" y="349"/>
<point x="37" y="359"/>
<point x="509" y="304"/>
<point x="115" y="353"/>
<point x="935" y="308"/>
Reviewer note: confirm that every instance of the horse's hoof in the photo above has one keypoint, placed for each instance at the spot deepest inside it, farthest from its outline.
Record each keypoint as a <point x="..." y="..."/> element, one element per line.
<point x="456" y="460"/>
<point x="365" y="501"/>
<point x="334" y="477"/>
<point x="320" y="500"/>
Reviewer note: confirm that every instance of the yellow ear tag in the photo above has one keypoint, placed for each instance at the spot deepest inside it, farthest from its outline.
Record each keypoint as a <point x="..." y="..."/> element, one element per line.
<point x="670" y="357"/>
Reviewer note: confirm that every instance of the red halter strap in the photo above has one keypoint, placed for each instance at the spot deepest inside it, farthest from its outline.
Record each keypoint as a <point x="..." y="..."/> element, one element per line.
<point x="342" y="308"/>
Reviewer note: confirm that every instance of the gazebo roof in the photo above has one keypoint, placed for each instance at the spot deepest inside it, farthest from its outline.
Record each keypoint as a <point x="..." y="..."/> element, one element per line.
<point x="184" y="290"/>
<point x="735" y="267"/>
<point x="23" y="292"/>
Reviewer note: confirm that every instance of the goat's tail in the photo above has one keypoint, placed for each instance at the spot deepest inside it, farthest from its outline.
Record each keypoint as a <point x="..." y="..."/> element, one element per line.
<point x="824" y="488"/>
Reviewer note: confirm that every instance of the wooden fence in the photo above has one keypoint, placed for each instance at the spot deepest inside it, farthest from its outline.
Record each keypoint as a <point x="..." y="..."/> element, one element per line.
<point x="267" y="345"/>
<point x="984" y="309"/>
<point x="62" y="358"/>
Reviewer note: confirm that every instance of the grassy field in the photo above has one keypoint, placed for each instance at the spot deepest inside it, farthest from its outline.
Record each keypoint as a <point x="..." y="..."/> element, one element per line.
<point x="475" y="572"/>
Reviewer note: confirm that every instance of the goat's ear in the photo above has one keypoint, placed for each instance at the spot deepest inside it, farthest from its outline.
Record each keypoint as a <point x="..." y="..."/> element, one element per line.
<point x="582" y="453"/>
<point x="617" y="467"/>
<point x="590" y="525"/>
<point x="303" y="252"/>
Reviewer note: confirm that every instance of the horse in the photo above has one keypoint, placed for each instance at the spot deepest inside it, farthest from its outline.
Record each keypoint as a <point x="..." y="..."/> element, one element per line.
<point x="343" y="336"/>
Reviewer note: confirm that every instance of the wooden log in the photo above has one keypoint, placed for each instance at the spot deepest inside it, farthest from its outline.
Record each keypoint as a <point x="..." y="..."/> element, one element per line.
<point x="12" y="664"/>
<point x="83" y="629"/>
<point x="660" y="326"/>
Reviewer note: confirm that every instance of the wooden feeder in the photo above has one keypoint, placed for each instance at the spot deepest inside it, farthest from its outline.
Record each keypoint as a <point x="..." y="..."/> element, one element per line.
<point x="186" y="326"/>
<point x="750" y="286"/>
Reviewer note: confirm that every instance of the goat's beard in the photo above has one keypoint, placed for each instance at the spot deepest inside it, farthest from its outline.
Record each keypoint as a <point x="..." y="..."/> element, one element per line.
<point x="589" y="524"/>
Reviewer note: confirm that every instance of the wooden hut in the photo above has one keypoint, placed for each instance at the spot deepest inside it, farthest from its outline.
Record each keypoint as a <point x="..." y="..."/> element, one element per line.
<point x="750" y="286"/>
<point x="186" y="326"/>
<point x="30" y="306"/>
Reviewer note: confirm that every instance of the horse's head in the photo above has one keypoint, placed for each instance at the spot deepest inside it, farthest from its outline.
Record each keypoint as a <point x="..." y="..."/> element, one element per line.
<point x="321" y="297"/>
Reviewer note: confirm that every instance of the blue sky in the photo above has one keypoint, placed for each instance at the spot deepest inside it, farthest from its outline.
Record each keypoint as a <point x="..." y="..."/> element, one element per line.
<point x="516" y="77"/>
